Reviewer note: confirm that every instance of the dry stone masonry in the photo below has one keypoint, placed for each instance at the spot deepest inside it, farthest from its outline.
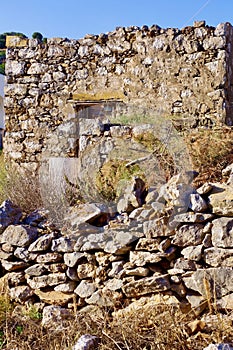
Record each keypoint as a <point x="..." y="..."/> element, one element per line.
<point x="176" y="72"/>
<point x="184" y="259"/>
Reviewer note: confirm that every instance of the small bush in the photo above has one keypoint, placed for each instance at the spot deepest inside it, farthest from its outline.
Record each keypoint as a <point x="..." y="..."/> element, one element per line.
<point x="21" y="187"/>
<point x="211" y="150"/>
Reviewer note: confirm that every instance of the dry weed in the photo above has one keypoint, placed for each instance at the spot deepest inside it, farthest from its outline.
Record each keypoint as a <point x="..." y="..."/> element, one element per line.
<point x="161" y="327"/>
<point x="211" y="150"/>
<point x="21" y="187"/>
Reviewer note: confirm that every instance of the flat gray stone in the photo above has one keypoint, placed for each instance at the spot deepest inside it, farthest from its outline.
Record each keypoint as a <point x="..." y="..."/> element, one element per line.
<point x="49" y="258"/>
<point x="85" y="289"/>
<point x="218" y="257"/>
<point x="217" y="282"/>
<point x="197" y="203"/>
<point x="222" y="232"/>
<point x="192" y="217"/>
<point x="52" y="279"/>
<point x="140" y="258"/>
<point x="193" y="252"/>
<point x="157" y="228"/>
<point x="111" y="241"/>
<point x="147" y="285"/>
<point x="42" y="243"/>
<point x="221" y="199"/>
<point x="35" y="270"/>
<point x="13" y="265"/>
<point x="71" y="259"/>
<point x="63" y="245"/>
<point x="21" y="293"/>
<point x="19" y="235"/>
<point x="188" y="235"/>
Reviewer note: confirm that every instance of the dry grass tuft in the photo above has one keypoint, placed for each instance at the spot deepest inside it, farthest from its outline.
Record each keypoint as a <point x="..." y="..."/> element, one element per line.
<point x="21" y="187"/>
<point x="211" y="150"/>
<point x="158" y="327"/>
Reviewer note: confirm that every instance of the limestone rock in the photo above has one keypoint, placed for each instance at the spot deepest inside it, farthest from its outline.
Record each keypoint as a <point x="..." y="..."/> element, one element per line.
<point x="85" y="289"/>
<point x="157" y="228"/>
<point x="87" y="342"/>
<point x="134" y="215"/>
<point x="104" y="298"/>
<point x="222" y="346"/>
<point x="4" y="255"/>
<point x="49" y="258"/>
<point x="15" y="278"/>
<point x="63" y="245"/>
<point x="217" y="282"/>
<point x="85" y="271"/>
<point x="71" y="259"/>
<point x="35" y="270"/>
<point x="226" y="302"/>
<point x="191" y="217"/>
<point x="91" y="126"/>
<point x="222" y="232"/>
<point x="19" y="235"/>
<point x="117" y="267"/>
<point x="13" y="265"/>
<point x="221" y="199"/>
<point x="140" y="258"/>
<point x="205" y="188"/>
<point x="218" y="257"/>
<point x="111" y="241"/>
<point x="21" y="293"/>
<point x="193" y="252"/>
<point x="188" y="235"/>
<point x="67" y="287"/>
<point x="197" y="302"/>
<point x="42" y="243"/>
<point x="54" y="315"/>
<point x="197" y="203"/>
<point x="23" y="254"/>
<point x="53" y="279"/>
<point x="138" y="271"/>
<point x="56" y="267"/>
<point x="54" y="297"/>
<point x="148" y="244"/>
<point x="10" y="214"/>
<point x="185" y="264"/>
<point x="176" y="192"/>
<point x="147" y="285"/>
<point x="113" y="284"/>
<point x="85" y="213"/>
<point x="133" y="197"/>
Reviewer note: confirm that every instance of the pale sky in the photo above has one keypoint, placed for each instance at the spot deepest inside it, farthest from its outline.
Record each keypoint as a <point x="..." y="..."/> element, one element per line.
<point x="75" y="18"/>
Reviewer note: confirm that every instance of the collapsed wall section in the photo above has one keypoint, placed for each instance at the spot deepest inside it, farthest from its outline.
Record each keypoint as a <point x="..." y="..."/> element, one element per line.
<point x="184" y="72"/>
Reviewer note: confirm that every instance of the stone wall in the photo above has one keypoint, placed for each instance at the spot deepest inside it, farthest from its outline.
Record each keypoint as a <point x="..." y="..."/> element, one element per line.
<point x="176" y="72"/>
<point x="184" y="260"/>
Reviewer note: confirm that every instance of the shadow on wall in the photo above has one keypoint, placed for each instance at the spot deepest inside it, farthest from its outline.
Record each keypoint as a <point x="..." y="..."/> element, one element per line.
<point x="2" y="114"/>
